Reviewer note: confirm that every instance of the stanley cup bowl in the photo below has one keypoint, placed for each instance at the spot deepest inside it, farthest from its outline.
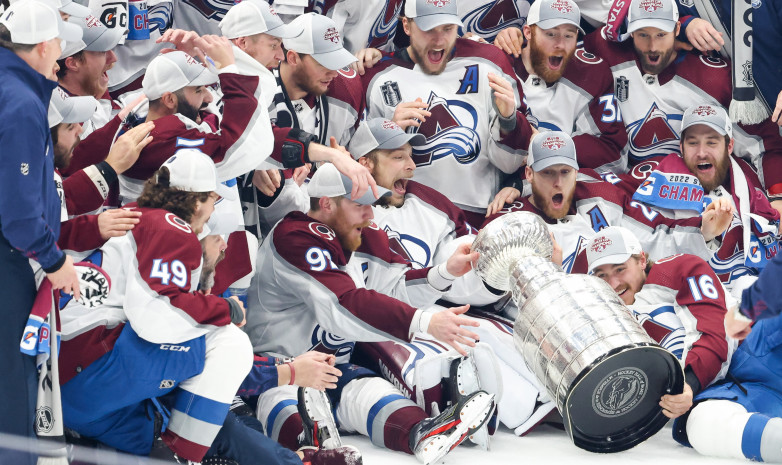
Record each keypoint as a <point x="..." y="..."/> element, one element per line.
<point x="504" y="241"/>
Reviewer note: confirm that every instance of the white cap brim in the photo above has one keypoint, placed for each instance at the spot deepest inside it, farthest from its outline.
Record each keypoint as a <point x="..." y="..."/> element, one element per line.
<point x="551" y="161"/>
<point x="205" y="78"/>
<point x="662" y="24"/>
<point x="554" y="22"/>
<point x="716" y="127"/>
<point x="72" y="48"/>
<point x="74" y="9"/>
<point x="335" y="59"/>
<point x="614" y="259"/>
<point x="69" y="32"/>
<point x="286" y="31"/>
<point x="429" y="22"/>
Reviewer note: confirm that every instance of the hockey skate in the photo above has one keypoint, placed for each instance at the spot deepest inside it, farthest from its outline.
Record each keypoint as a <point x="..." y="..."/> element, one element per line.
<point x="463" y="382"/>
<point x="343" y="455"/>
<point x="433" y="438"/>
<point x="320" y="429"/>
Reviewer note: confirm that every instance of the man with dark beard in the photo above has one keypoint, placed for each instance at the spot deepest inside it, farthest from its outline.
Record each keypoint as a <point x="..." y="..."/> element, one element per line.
<point x="463" y="96"/>
<point x="577" y="204"/>
<point x="566" y="89"/>
<point x="681" y="185"/>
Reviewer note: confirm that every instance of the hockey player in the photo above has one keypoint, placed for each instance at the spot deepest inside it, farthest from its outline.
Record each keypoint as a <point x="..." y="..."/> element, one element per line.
<point x="679" y="302"/>
<point x="741" y="415"/>
<point x="424" y="227"/>
<point x="576" y="205"/>
<point x="301" y="293"/>
<point x="257" y="30"/>
<point x="461" y="95"/>
<point x="565" y="88"/>
<point x="655" y="84"/>
<point x="707" y="168"/>
<point x="154" y="335"/>
<point x="83" y="70"/>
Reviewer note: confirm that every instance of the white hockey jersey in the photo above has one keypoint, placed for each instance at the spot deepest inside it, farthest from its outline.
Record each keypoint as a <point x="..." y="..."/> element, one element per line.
<point x="464" y="155"/>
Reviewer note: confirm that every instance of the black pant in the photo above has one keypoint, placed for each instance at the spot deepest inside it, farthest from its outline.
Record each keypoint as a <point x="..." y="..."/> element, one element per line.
<point x="18" y="375"/>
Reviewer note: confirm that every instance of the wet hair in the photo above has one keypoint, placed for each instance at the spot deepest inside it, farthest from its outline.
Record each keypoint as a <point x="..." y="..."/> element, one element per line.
<point x="159" y="194"/>
<point x="5" y="41"/>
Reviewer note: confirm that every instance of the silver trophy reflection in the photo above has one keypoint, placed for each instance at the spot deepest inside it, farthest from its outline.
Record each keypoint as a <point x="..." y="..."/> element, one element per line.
<point x="604" y="372"/>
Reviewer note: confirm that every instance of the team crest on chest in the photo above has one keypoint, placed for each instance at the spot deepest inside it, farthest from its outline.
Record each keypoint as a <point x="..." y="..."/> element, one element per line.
<point x="414" y="250"/>
<point x="384" y="28"/>
<point x="450" y="131"/>
<point x="491" y="17"/>
<point x="652" y="135"/>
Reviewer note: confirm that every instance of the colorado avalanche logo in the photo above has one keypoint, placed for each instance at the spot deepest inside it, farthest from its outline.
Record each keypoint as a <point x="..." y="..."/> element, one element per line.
<point x="414" y="250"/>
<point x="448" y="134"/>
<point x="650" y="6"/>
<point x="563" y="6"/>
<point x="705" y="110"/>
<point x="211" y="9"/>
<point x="653" y="135"/>
<point x="492" y="17"/>
<point x="601" y="244"/>
<point x="384" y="28"/>
<point x="553" y="143"/>
<point x="328" y="343"/>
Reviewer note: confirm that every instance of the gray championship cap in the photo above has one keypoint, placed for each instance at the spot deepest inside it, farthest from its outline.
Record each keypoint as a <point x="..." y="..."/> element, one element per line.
<point x="547" y="14"/>
<point x="429" y="14"/>
<point x="329" y="182"/>
<point x="713" y="116"/>
<point x="551" y="148"/>
<point x="95" y="38"/>
<point x="251" y="17"/>
<point x="321" y="39"/>
<point x="661" y="14"/>
<point x="32" y="22"/>
<point x="172" y="71"/>
<point x="64" y="108"/>
<point x="379" y="133"/>
<point x="611" y="246"/>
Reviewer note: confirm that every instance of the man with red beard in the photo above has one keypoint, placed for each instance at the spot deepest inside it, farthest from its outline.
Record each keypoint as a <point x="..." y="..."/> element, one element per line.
<point x="577" y="204"/>
<point x="302" y="299"/>
<point x="681" y="185"/>
<point x="84" y="66"/>
<point x="567" y="89"/>
<point x="655" y="83"/>
<point x="462" y="95"/>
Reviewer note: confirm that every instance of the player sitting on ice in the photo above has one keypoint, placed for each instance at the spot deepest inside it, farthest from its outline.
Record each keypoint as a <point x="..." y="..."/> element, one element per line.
<point x="577" y="204"/>
<point x="424" y="228"/>
<point x="740" y="415"/>
<point x="301" y="299"/>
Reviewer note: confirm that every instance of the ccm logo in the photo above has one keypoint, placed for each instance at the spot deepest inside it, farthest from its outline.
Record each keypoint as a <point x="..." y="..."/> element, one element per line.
<point x="174" y="348"/>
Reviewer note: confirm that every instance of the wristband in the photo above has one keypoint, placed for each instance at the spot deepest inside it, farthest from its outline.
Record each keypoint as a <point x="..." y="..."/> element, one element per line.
<point x="295" y="148"/>
<point x="293" y="374"/>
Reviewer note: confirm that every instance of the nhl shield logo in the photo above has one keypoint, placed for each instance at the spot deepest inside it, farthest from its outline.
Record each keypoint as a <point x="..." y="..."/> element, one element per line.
<point x="705" y="110"/>
<point x="650" y="6"/>
<point x="621" y="88"/>
<point x="601" y="244"/>
<point x="553" y="143"/>
<point x="391" y="94"/>
<point x="563" y="6"/>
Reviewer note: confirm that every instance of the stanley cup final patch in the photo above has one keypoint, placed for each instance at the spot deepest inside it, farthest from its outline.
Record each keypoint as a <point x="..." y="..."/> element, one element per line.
<point x="621" y="88"/>
<point x="391" y="95"/>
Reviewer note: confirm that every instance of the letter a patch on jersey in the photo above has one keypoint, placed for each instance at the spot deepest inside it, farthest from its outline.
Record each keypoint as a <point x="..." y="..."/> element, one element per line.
<point x="469" y="81"/>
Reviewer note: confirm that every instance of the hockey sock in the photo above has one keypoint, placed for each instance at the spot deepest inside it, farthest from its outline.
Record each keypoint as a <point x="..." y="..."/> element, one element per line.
<point x="379" y="410"/>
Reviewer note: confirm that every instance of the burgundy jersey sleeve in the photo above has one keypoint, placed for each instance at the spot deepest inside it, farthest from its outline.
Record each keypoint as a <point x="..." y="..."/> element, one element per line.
<point x="314" y="250"/>
<point x="80" y="234"/>
<point x="94" y="148"/>
<point x="703" y="297"/>
<point x="82" y="194"/>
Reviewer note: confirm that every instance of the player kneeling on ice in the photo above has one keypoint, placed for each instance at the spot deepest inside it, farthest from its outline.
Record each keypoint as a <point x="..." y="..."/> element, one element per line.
<point x="302" y="299"/>
<point x="678" y="300"/>
<point x="154" y="334"/>
<point x="740" y="415"/>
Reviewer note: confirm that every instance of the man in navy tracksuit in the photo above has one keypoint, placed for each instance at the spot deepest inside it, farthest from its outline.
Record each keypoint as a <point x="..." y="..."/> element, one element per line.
<point x="30" y="33"/>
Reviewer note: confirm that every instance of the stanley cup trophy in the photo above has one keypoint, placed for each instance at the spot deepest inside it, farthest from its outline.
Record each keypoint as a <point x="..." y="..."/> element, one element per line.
<point x="578" y="337"/>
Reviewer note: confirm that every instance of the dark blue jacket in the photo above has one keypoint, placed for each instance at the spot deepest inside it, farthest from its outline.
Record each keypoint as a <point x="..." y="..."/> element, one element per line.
<point x="29" y="204"/>
<point x="763" y="299"/>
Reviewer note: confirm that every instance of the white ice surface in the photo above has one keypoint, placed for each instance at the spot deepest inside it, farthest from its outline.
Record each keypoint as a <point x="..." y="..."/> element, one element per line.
<point x="549" y="446"/>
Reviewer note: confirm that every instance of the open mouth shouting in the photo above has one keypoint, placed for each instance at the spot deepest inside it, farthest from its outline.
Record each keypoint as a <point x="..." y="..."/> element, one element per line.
<point x="555" y="62"/>
<point x="400" y="187"/>
<point x="436" y="56"/>
<point x="653" y="58"/>
<point x="557" y="201"/>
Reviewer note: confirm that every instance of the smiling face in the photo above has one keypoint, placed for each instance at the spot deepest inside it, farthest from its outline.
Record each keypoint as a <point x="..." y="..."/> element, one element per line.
<point x="432" y="49"/>
<point x="191" y="100"/>
<point x="626" y="278"/>
<point x="553" y="189"/>
<point x="706" y="155"/>
<point x="392" y="169"/>
<point x="655" y="48"/>
<point x="551" y="49"/>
